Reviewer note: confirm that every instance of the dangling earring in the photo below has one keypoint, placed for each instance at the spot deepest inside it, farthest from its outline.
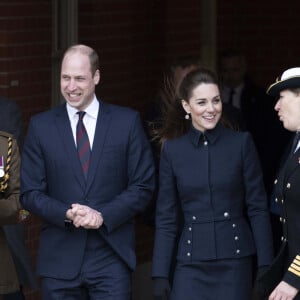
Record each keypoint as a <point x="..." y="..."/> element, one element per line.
<point x="187" y="116"/>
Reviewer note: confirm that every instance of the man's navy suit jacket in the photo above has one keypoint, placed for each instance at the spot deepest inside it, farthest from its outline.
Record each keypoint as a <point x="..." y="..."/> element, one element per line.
<point x="119" y="184"/>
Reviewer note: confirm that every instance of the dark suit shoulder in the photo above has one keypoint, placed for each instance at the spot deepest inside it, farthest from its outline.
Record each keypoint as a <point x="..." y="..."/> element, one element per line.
<point x="118" y="109"/>
<point x="225" y="136"/>
<point x="235" y="133"/>
<point x="49" y="114"/>
<point x="231" y="138"/>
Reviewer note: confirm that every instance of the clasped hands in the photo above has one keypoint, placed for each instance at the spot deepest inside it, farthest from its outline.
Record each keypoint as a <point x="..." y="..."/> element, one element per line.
<point x="84" y="216"/>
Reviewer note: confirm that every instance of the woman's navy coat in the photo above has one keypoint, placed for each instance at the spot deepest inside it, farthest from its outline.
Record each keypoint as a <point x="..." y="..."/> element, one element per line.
<point x="217" y="182"/>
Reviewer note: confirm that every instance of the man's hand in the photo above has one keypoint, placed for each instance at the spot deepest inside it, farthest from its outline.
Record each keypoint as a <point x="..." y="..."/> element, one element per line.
<point x="283" y="291"/>
<point x="84" y="216"/>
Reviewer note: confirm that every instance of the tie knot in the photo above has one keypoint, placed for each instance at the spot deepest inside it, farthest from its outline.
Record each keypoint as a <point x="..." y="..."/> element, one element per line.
<point x="81" y="115"/>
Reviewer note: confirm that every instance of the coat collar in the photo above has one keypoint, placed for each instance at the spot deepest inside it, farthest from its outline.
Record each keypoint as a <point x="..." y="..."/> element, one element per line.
<point x="211" y="136"/>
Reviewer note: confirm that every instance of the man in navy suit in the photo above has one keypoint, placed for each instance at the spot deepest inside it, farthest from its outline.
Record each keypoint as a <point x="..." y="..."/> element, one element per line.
<point x="87" y="241"/>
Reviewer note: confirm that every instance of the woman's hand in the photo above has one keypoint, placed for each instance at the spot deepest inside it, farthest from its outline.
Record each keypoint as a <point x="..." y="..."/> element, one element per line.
<point x="283" y="291"/>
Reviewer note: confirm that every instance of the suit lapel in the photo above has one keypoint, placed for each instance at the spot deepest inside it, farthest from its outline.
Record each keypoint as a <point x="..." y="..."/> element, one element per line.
<point x="65" y="132"/>
<point x="102" y="126"/>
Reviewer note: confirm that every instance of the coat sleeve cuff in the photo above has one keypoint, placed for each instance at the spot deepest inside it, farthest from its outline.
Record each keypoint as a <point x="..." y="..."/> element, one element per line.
<point x="292" y="275"/>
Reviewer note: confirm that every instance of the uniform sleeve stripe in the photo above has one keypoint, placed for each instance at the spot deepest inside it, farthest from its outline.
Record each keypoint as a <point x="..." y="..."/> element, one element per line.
<point x="292" y="270"/>
<point x="296" y="262"/>
<point x="294" y="266"/>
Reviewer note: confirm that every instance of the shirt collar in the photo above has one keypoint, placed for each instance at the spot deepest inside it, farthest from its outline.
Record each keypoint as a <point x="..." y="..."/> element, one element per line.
<point x="91" y="110"/>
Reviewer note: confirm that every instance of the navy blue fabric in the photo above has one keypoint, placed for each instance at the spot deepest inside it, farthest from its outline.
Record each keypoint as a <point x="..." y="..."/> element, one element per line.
<point x="119" y="184"/>
<point x="213" y="280"/>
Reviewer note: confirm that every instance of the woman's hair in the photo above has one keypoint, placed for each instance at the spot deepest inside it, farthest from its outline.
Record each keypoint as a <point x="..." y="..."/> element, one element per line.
<point x="193" y="79"/>
<point x="173" y="115"/>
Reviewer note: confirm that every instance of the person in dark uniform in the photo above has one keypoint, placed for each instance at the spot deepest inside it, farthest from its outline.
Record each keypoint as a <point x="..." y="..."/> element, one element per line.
<point x="211" y="174"/>
<point x="11" y="122"/>
<point x="282" y="279"/>
<point x="10" y="210"/>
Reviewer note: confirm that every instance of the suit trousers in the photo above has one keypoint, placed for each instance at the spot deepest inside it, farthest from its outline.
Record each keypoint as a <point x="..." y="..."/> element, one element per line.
<point x="103" y="276"/>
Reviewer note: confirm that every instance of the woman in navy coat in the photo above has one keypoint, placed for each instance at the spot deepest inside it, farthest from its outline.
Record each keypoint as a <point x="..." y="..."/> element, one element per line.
<point x="211" y="179"/>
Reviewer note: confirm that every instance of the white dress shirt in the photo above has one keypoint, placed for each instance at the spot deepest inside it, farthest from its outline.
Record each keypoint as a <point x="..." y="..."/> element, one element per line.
<point x="89" y="119"/>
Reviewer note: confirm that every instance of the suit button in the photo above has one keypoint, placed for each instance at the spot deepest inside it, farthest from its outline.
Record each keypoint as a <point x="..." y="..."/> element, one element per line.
<point x="233" y="225"/>
<point x="190" y="228"/>
<point x="237" y="251"/>
<point x="276" y="200"/>
<point x="188" y="254"/>
<point x="236" y="238"/>
<point x="275" y="181"/>
<point x="288" y="185"/>
<point x="282" y="201"/>
<point x="205" y="143"/>
<point x="189" y="241"/>
<point x="280" y="219"/>
<point x="194" y="218"/>
<point x="283" y="220"/>
<point x="282" y="238"/>
<point x="226" y="214"/>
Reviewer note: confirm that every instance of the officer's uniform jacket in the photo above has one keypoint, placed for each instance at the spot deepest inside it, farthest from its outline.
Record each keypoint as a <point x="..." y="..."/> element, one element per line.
<point x="287" y="195"/>
<point x="216" y="181"/>
<point x="9" y="208"/>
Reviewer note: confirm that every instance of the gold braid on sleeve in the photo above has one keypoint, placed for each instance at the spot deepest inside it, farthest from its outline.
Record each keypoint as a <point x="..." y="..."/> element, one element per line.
<point x="5" y="178"/>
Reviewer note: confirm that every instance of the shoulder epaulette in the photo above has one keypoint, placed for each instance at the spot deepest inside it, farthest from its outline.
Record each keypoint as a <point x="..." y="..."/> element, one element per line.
<point x="6" y="134"/>
<point x="5" y="178"/>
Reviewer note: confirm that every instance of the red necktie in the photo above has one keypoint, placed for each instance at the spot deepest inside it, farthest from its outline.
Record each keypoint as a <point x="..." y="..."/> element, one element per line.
<point x="83" y="144"/>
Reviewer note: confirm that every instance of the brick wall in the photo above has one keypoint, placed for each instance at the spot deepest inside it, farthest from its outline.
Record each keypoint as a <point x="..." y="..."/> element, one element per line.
<point x="25" y="70"/>
<point x="136" y="39"/>
<point x="266" y="31"/>
<point x="25" y="53"/>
